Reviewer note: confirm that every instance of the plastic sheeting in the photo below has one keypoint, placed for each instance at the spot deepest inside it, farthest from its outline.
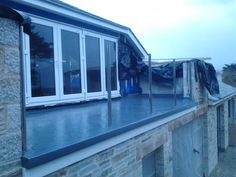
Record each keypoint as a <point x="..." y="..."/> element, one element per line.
<point x="204" y="71"/>
<point x="130" y="67"/>
<point x="207" y="75"/>
<point x="163" y="74"/>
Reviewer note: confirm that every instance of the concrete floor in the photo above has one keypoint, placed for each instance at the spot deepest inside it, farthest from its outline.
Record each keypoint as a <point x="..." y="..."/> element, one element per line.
<point x="54" y="132"/>
<point x="226" y="164"/>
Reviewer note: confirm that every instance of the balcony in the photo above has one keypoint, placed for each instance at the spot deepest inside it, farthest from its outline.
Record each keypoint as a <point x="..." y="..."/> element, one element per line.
<point x="54" y="132"/>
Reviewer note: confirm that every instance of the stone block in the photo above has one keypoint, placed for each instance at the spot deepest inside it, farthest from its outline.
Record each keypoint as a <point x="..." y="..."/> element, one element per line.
<point x="2" y="57"/>
<point x="105" y="154"/>
<point x="12" y="60"/>
<point x="106" y="172"/>
<point x="10" y="147"/>
<point x="2" y="119"/>
<point x="148" y="147"/>
<point x="160" y="140"/>
<point x="13" y="117"/>
<point x="60" y="173"/>
<point x="12" y="167"/>
<point x="139" y="155"/>
<point x="10" y="90"/>
<point x="15" y="173"/>
<point x="3" y="22"/>
<point x="9" y="32"/>
<point x="89" y="169"/>
<point x="76" y="167"/>
<point x="120" y="156"/>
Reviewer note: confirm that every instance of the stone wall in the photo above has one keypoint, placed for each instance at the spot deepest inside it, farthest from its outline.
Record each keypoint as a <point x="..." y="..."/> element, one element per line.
<point x="198" y="91"/>
<point x="10" y="100"/>
<point x="125" y="159"/>
<point x="224" y="126"/>
<point x="210" y="148"/>
<point x="232" y="126"/>
<point x="187" y="149"/>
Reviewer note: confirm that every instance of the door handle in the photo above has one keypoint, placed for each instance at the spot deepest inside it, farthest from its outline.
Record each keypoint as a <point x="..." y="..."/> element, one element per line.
<point x="196" y="151"/>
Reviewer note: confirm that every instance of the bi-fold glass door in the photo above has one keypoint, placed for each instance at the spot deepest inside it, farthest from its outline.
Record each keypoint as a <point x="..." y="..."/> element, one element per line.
<point x="71" y="75"/>
<point x="64" y="64"/>
<point x="110" y="56"/>
<point x="98" y="51"/>
<point x="93" y="65"/>
<point x="41" y="63"/>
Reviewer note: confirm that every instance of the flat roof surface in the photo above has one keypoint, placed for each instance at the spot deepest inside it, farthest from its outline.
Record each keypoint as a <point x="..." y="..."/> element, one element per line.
<point x="226" y="90"/>
<point x="54" y="132"/>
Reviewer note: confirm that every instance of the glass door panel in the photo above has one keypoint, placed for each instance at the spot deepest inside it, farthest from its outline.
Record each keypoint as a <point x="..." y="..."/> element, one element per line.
<point x="93" y="64"/>
<point x="71" y="67"/>
<point x="110" y="57"/>
<point x="42" y="64"/>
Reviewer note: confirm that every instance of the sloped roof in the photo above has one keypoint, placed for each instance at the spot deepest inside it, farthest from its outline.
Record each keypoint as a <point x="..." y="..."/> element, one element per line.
<point x="60" y="8"/>
<point x="226" y="91"/>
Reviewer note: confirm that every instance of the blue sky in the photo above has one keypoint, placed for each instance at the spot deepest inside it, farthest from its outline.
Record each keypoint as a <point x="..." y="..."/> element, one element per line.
<point x="173" y="29"/>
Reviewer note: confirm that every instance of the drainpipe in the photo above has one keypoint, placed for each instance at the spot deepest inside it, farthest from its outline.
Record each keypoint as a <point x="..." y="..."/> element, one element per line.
<point x="23" y="118"/>
<point x="150" y="80"/>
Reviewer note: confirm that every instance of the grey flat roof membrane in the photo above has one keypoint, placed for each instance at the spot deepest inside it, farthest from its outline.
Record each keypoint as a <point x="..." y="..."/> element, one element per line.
<point x="55" y="132"/>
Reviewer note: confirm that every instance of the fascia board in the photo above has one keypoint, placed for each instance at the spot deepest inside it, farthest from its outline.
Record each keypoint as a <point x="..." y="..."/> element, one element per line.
<point x="138" y="44"/>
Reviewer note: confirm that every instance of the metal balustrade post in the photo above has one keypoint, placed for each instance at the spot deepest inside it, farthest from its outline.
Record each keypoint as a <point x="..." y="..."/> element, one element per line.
<point x="174" y="81"/>
<point x="109" y="106"/>
<point x="150" y="81"/>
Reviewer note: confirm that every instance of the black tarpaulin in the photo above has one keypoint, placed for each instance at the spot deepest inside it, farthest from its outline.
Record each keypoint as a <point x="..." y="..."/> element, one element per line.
<point x="206" y="73"/>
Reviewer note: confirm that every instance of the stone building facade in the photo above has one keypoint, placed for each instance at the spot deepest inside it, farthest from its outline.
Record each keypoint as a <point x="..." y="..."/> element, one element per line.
<point x="10" y="99"/>
<point x="127" y="157"/>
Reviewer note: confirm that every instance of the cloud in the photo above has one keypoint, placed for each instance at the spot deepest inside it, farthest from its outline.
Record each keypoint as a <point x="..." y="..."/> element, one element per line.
<point x="167" y="28"/>
<point x="207" y="2"/>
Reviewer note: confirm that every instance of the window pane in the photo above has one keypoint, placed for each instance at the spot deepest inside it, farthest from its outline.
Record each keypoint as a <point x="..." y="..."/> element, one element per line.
<point x="149" y="165"/>
<point x="71" y="62"/>
<point x="229" y="108"/>
<point x="93" y="64"/>
<point x="110" y="54"/>
<point x="42" y="61"/>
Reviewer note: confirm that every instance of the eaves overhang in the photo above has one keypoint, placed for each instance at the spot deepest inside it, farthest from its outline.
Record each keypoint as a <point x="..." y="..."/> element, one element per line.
<point x="10" y="13"/>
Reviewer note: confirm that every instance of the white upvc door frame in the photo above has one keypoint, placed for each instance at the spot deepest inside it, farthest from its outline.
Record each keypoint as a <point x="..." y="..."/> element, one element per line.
<point x="94" y="95"/>
<point x="60" y="97"/>
<point x="45" y="99"/>
<point x="26" y="62"/>
<point x="115" y="93"/>
<point x="76" y="96"/>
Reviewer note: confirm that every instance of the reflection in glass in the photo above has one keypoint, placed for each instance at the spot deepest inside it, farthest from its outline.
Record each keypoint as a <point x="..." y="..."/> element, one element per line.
<point x="92" y="46"/>
<point x="110" y="54"/>
<point x="42" y="61"/>
<point x="71" y="62"/>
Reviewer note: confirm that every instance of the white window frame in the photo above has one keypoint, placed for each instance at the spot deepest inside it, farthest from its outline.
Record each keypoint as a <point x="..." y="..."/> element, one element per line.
<point x="76" y="96"/>
<point x="93" y="95"/>
<point x="60" y="97"/>
<point x="45" y="99"/>
<point x="115" y="93"/>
